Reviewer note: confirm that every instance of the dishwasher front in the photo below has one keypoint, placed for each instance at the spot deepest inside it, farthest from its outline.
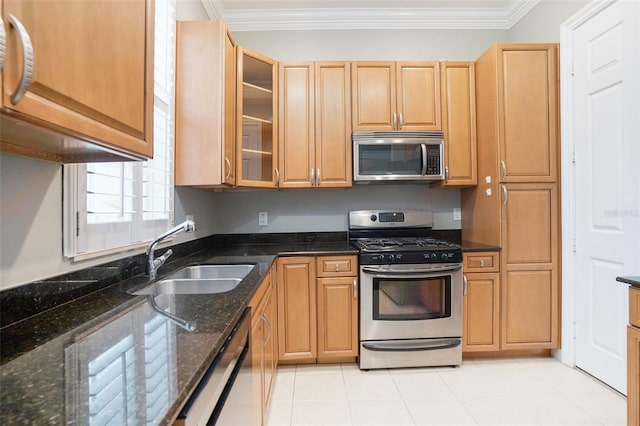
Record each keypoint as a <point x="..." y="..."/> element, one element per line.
<point x="225" y="394"/>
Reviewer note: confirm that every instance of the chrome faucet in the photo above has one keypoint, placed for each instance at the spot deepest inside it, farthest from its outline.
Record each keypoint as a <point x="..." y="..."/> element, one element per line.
<point x="154" y="264"/>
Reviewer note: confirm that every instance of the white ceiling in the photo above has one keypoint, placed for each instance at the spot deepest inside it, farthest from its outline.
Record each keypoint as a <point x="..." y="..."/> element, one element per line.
<point x="263" y="15"/>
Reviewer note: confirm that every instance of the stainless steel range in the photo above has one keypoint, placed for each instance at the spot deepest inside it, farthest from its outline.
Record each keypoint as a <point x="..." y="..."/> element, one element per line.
<point x="410" y="290"/>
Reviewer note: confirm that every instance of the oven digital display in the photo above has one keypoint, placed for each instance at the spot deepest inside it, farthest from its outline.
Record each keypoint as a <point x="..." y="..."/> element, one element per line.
<point x="391" y="217"/>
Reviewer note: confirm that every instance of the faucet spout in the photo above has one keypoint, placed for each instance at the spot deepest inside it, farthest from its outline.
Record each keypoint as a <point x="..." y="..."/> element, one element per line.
<point x="154" y="264"/>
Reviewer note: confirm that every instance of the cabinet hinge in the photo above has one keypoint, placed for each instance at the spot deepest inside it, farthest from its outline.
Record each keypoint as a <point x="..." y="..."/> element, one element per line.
<point x="573" y="245"/>
<point x="573" y="157"/>
<point x="77" y="224"/>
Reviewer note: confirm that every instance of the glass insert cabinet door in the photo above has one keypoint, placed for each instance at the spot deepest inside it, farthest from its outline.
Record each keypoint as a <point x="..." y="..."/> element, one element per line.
<point x="398" y="299"/>
<point x="257" y="106"/>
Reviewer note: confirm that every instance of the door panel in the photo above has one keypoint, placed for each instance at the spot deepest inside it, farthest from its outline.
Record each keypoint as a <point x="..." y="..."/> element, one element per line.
<point x="530" y="223"/>
<point x="418" y="86"/>
<point x="481" y="318"/>
<point x="529" y="109"/>
<point x="337" y="317"/>
<point x="529" y="309"/>
<point x="607" y="195"/>
<point x="374" y="95"/>
<point x="297" y="308"/>
<point x="333" y="124"/>
<point x="296" y="126"/>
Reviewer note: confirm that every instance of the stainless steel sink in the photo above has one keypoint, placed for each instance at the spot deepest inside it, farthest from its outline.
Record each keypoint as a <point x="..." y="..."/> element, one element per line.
<point x="200" y="279"/>
<point x="212" y="271"/>
<point x="190" y="286"/>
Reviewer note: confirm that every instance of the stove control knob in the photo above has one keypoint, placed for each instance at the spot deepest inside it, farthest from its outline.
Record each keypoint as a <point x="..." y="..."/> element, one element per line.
<point x="444" y="256"/>
<point x="373" y="218"/>
<point x="433" y="256"/>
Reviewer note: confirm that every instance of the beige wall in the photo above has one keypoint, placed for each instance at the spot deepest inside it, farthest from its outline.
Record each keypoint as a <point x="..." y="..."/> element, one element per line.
<point x="542" y="23"/>
<point x="31" y="190"/>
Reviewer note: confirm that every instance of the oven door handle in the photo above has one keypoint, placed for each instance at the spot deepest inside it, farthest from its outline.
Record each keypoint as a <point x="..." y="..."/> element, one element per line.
<point x="400" y="346"/>
<point x="410" y="272"/>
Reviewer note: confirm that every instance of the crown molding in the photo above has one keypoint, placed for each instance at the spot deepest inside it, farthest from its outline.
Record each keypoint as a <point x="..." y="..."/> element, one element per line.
<point x="379" y="18"/>
<point x="214" y="8"/>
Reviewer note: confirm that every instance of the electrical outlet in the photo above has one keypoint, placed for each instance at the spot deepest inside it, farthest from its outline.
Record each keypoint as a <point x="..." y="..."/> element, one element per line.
<point x="263" y="218"/>
<point x="457" y="214"/>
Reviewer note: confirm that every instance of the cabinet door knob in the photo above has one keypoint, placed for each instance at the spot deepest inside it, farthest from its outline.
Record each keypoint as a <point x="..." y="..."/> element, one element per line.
<point x="317" y="176"/>
<point x="395" y="120"/>
<point x="401" y="122"/>
<point x="277" y="177"/>
<point x="465" y="287"/>
<point x="312" y="177"/>
<point x="355" y="288"/>
<point x="27" y="60"/>
<point x="481" y="262"/>
<point x="503" y="166"/>
<point x="505" y="195"/>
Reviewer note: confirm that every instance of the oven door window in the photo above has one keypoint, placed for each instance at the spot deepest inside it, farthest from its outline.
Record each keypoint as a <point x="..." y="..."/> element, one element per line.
<point x="397" y="299"/>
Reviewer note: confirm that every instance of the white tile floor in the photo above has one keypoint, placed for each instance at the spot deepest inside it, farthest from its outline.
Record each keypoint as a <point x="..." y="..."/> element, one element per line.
<point x="533" y="391"/>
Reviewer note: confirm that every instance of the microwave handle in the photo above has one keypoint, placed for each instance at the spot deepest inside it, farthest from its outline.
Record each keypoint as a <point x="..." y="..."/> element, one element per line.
<point x="424" y="159"/>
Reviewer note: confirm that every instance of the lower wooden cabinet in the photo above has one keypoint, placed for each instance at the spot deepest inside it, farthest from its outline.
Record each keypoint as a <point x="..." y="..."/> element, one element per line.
<point x="481" y="314"/>
<point x="633" y="376"/>
<point x="317" y="308"/>
<point x="337" y="317"/>
<point x="481" y="302"/>
<point x="296" y="308"/>
<point x="263" y="344"/>
<point x="633" y="359"/>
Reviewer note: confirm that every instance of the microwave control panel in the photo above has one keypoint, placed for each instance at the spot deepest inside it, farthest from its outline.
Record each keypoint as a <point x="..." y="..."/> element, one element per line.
<point x="433" y="160"/>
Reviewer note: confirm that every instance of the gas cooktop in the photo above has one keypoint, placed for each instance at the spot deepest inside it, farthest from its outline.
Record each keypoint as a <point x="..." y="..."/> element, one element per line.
<point x="402" y="244"/>
<point x="401" y="236"/>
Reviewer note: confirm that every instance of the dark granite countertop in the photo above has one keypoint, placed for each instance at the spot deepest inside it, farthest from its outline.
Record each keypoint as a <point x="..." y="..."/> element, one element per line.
<point x="55" y="361"/>
<point x="633" y="280"/>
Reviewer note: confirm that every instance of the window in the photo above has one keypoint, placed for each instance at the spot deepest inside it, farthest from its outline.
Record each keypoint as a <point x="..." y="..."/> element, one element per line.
<point x="114" y="206"/>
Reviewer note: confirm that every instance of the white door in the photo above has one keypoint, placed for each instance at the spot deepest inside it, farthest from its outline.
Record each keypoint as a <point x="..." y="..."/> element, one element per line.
<point x="607" y="184"/>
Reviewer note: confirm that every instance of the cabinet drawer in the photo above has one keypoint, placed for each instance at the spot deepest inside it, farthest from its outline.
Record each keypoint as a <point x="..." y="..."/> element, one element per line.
<point x="331" y="266"/>
<point x="481" y="262"/>
<point x="634" y="306"/>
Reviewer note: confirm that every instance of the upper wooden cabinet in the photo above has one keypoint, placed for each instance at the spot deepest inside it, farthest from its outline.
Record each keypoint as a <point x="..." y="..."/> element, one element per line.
<point x="205" y="104"/>
<point x="395" y="95"/>
<point x="314" y="125"/>
<point x="459" y="123"/>
<point x="256" y="125"/>
<point x="91" y="92"/>
<point x="517" y="84"/>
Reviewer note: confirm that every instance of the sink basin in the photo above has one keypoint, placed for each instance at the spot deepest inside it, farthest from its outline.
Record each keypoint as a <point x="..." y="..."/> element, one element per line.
<point x="212" y="271"/>
<point x="190" y="286"/>
<point x="200" y="279"/>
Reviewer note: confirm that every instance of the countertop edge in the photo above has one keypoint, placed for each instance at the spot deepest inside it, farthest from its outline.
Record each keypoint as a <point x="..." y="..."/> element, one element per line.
<point x="634" y="281"/>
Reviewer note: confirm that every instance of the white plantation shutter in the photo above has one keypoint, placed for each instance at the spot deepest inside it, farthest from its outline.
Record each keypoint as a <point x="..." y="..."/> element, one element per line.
<point x="116" y="205"/>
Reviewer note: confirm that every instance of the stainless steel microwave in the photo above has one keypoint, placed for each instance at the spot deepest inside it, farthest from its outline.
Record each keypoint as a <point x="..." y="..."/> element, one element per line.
<point x="397" y="156"/>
